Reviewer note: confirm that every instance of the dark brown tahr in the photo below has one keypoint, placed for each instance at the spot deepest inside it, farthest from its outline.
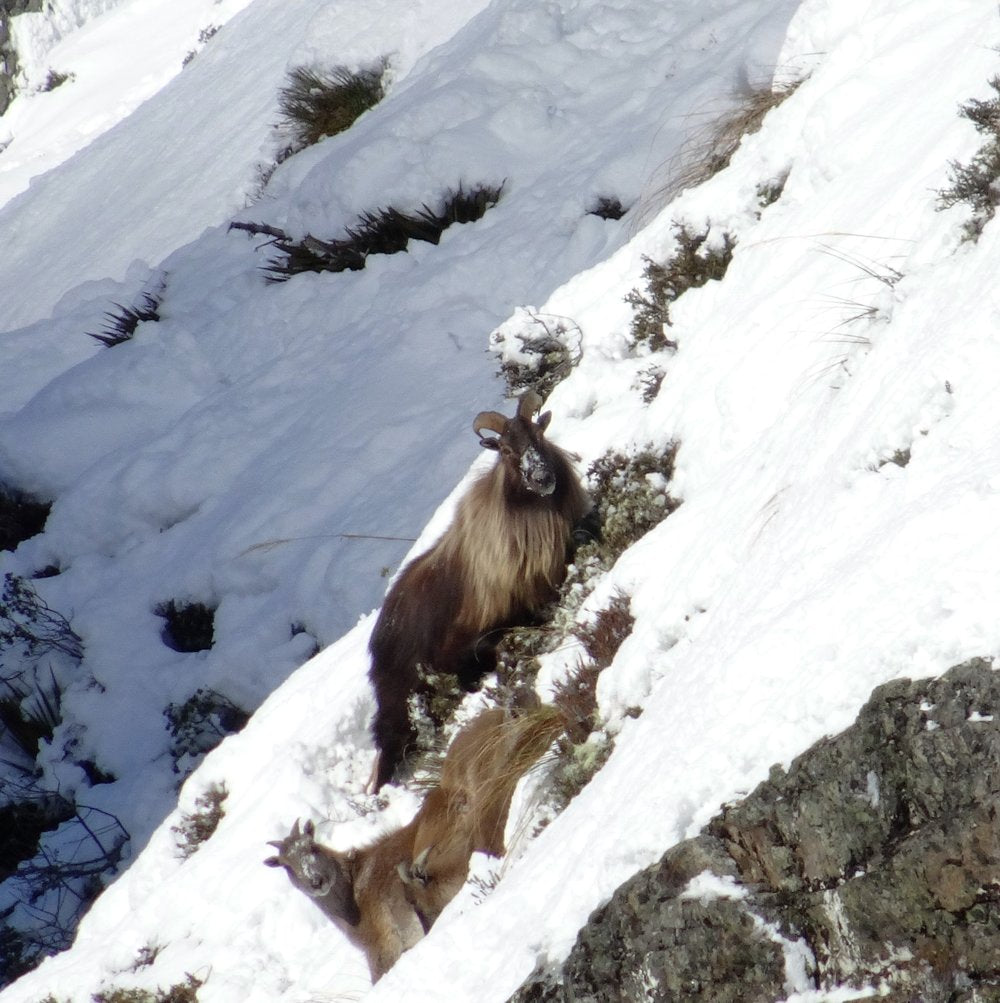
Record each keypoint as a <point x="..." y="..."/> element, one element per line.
<point x="501" y="560"/>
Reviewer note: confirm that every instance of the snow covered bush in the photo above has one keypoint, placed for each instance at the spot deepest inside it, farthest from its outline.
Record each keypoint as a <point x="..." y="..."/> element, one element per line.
<point x="199" y="724"/>
<point x="978" y="183"/>
<point x="537" y="351"/>
<point x="198" y="826"/>
<point x="693" y="264"/>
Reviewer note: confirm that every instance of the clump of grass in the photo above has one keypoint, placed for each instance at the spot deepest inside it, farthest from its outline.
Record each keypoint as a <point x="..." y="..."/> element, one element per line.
<point x="204" y="35"/>
<point x="189" y="626"/>
<point x="378" y="231"/>
<point x="711" y="148"/>
<point x="607" y="207"/>
<point x="120" y="324"/>
<point x="692" y="265"/>
<point x="54" y="79"/>
<point x="199" y="826"/>
<point x="316" y="103"/>
<point x="978" y="183"/>
<point x="146" y="956"/>
<point x="181" y="992"/>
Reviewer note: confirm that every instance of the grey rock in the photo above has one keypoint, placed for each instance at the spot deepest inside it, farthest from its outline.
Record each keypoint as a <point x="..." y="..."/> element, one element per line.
<point x="874" y="861"/>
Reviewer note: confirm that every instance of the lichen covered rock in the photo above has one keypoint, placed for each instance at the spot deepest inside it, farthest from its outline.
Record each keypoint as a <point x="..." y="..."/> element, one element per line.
<point x="874" y="861"/>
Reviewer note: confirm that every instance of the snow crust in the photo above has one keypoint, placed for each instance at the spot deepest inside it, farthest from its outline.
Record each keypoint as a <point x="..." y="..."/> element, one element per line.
<point x="235" y="451"/>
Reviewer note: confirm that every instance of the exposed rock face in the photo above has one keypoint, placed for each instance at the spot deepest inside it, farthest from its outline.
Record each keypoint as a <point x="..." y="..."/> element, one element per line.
<point x="8" y="57"/>
<point x="874" y="861"/>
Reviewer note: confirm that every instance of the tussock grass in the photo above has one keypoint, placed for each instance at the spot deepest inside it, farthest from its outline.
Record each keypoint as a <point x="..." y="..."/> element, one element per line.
<point x="711" y="147"/>
<point x="120" y="324"/>
<point x="378" y="231"/>
<point x="316" y="103"/>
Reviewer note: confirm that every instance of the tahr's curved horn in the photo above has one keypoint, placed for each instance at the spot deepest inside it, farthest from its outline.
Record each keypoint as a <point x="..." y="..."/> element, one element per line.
<point x="491" y="421"/>
<point x="529" y="403"/>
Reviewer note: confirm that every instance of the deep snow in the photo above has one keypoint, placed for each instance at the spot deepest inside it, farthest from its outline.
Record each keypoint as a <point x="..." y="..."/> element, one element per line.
<point x="219" y="454"/>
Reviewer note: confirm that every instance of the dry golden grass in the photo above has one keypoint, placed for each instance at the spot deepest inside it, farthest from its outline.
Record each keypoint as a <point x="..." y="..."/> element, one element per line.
<point x="710" y="147"/>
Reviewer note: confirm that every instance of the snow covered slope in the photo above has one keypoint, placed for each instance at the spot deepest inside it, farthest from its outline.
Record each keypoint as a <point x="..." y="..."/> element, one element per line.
<point x="833" y="398"/>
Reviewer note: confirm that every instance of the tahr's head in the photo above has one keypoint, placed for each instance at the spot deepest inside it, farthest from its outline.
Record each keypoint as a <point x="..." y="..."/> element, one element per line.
<point x="521" y="443"/>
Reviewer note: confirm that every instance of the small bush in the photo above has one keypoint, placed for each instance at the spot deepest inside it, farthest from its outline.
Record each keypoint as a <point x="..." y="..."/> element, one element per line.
<point x="607" y="207"/>
<point x="21" y="517"/>
<point x="316" y="103"/>
<point x="692" y="265"/>
<point x="203" y="37"/>
<point x="120" y="324"/>
<point x="181" y="992"/>
<point x="632" y="496"/>
<point x="380" y="231"/>
<point x="189" y="627"/>
<point x="199" y="826"/>
<point x="649" y="382"/>
<point x="199" y="724"/>
<point x="56" y="79"/>
<point x="603" y="636"/>
<point x="976" y="183"/>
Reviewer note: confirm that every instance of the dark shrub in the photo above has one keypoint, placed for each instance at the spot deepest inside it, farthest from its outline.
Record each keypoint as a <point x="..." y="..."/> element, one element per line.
<point x="189" y="626"/>
<point x="21" y="517"/>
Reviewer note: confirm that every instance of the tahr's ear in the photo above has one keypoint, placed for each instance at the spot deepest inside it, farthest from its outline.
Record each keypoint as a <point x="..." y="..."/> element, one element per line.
<point x="488" y="442"/>
<point x="273" y="862"/>
<point x="309" y="829"/>
<point x="543" y="421"/>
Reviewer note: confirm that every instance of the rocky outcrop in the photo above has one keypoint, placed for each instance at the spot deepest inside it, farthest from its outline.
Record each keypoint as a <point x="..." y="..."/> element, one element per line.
<point x="874" y="861"/>
<point x="8" y="56"/>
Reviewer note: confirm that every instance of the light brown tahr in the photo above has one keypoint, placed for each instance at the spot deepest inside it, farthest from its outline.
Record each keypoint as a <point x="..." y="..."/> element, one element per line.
<point x="468" y="810"/>
<point x="360" y="890"/>
<point x="385" y="896"/>
<point x="501" y="560"/>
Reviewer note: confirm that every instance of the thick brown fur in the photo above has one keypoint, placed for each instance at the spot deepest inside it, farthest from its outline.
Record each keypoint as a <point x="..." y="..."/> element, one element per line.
<point x="501" y="561"/>
<point x="468" y="810"/>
